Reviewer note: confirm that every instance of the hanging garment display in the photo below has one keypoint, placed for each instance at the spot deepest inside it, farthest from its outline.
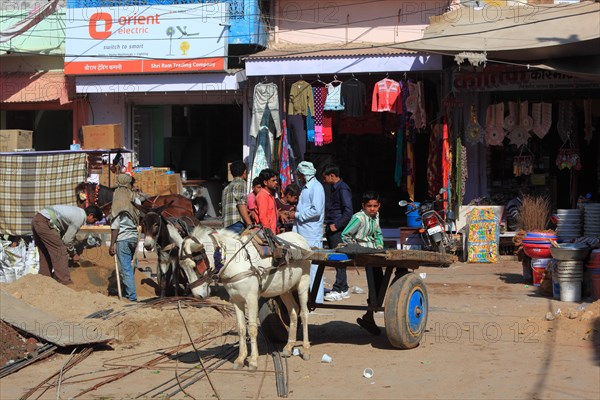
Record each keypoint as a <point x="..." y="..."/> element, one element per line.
<point x="263" y="149"/>
<point x="310" y="126"/>
<point x="518" y="135"/>
<point x="446" y="161"/>
<point x="327" y="128"/>
<point x="301" y="99"/>
<point x="285" y="175"/>
<point x="266" y="98"/>
<point x="474" y="131"/>
<point x="319" y="95"/>
<point x="297" y="137"/>
<point x="588" y="127"/>
<point x="415" y="104"/>
<point x="433" y="168"/>
<point x="387" y="97"/>
<point x="333" y="102"/>
<point x="494" y="116"/>
<point x="541" y="114"/>
<point x="564" y="125"/>
<point x="354" y="96"/>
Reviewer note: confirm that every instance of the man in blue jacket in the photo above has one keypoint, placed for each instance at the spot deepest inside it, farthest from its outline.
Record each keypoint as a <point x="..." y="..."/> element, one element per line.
<point x="338" y="211"/>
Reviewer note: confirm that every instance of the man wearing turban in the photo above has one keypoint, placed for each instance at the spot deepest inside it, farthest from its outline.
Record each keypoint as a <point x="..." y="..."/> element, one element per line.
<point x="310" y="213"/>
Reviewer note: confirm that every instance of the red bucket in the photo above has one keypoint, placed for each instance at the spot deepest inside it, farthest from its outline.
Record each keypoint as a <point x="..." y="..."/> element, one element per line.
<point x="539" y="266"/>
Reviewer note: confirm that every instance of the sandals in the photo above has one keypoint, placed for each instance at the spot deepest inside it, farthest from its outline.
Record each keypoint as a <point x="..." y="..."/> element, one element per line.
<point x="369" y="326"/>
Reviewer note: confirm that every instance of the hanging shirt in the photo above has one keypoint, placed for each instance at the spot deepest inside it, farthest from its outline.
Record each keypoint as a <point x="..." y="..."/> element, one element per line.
<point x="386" y="97"/>
<point x="354" y="96"/>
<point x="301" y="98"/>
<point x="333" y="102"/>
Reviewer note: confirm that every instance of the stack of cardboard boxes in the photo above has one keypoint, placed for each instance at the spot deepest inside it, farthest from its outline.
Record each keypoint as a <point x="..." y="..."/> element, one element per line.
<point x="151" y="181"/>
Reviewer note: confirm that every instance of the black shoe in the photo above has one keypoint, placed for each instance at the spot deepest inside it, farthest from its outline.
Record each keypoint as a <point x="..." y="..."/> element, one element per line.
<point x="369" y="326"/>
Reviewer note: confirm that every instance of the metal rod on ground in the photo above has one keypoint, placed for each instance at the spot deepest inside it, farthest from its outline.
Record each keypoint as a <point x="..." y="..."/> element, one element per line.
<point x="118" y="276"/>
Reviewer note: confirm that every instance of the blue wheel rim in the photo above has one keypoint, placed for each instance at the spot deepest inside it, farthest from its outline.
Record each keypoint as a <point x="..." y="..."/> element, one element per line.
<point x="416" y="310"/>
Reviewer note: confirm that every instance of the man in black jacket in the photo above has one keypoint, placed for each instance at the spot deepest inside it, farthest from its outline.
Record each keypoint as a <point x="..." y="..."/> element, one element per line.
<point x="338" y="211"/>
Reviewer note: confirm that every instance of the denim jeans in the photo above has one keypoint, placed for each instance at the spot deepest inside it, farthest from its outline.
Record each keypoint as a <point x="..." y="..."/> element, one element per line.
<point x="341" y="278"/>
<point x="238" y="227"/>
<point x="125" y="250"/>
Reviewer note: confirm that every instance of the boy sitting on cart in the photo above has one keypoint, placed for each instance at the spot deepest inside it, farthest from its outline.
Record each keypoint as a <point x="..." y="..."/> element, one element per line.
<point x="363" y="229"/>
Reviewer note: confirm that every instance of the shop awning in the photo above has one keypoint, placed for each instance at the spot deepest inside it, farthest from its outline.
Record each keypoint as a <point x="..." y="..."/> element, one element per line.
<point x="229" y="80"/>
<point x="295" y="59"/>
<point x="518" y="33"/>
<point x="18" y="87"/>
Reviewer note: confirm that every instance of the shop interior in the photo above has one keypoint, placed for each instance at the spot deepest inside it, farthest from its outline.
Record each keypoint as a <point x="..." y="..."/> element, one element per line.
<point x="53" y="129"/>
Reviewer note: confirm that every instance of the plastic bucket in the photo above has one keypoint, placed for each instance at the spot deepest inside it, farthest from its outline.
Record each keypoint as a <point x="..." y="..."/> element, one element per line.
<point x="538" y="265"/>
<point x="413" y="219"/>
<point x="570" y="290"/>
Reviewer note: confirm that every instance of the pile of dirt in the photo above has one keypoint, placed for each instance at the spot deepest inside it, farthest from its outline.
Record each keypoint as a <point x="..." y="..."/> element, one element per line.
<point x="133" y="322"/>
<point x="95" y="272"/>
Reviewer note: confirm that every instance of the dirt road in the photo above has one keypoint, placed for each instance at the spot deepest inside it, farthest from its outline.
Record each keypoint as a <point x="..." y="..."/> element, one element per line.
<point x="488" y="337"/>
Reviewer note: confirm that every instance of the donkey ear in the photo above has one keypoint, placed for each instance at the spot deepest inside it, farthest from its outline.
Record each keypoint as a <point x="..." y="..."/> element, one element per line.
<point x="140" y="208"/>
<point x="174" y="235"/>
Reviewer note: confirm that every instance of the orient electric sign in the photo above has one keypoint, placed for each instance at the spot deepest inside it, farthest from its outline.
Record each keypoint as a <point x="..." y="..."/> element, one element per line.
<point x="106" y="21"/>
<point x="147" y="39"/>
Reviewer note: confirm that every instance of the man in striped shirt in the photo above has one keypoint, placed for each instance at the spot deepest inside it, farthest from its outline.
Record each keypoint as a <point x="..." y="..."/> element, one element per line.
<point x="364" y="230"/>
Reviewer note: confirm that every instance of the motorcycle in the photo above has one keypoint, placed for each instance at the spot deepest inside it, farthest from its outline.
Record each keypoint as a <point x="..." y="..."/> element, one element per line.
<point x="433" y="229"/>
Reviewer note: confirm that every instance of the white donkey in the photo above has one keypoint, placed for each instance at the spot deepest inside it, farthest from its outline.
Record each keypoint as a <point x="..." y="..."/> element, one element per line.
<point x="246" y="277"/>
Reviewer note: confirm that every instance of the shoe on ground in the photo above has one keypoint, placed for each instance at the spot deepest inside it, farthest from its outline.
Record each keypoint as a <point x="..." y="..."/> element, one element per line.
<point x="333" y="296"/>
<point x="370" y="326"/>
<point x="345" y="295"/>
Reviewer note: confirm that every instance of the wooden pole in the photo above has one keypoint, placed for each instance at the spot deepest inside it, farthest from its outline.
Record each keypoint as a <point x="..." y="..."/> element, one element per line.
<point x="118" y="277"/>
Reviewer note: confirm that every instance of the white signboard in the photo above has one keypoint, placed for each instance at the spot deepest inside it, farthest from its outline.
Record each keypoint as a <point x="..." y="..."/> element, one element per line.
<point x="146" y="39"/>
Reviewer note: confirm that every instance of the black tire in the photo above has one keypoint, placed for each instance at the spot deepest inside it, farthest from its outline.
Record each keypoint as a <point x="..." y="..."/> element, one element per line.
<point x="274" y="319"/>
<point x="406" y="311"/>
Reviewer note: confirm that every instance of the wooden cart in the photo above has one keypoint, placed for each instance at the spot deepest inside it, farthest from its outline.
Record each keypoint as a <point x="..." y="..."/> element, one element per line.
<point x="404" y="301"/>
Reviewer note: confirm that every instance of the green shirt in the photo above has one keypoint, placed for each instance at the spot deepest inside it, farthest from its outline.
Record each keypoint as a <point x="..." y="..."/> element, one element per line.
<point x="363" y="230"/>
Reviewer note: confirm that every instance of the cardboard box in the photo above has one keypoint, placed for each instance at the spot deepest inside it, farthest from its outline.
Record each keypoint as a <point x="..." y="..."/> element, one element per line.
<point x="13" y="139"/>
<point x="168" y="184"/>
<point x="102" y="137"/>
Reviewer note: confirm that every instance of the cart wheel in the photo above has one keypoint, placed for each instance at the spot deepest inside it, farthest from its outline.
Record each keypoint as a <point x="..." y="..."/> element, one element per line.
<point x="406" y="311"/>
<point x="274" y="319"/>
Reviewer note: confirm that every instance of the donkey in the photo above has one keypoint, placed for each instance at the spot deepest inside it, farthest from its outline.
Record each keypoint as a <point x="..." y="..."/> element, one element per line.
<point x="156" y="237"/>
<point x="246" y="277"/>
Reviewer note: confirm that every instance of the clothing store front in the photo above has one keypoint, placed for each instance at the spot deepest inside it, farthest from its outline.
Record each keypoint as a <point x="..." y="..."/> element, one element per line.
<point x="367" y="110"/>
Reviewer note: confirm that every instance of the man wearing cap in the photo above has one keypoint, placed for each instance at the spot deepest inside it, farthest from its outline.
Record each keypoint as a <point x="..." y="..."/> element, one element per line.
<point x="124" y="234"/>
<point x="310" y="213"/>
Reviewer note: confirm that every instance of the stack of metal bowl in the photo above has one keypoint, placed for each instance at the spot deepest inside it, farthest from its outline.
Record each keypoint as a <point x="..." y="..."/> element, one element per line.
<point x="569" y="224"/>
<point x="591" y="219"/>
<point x="570" y="258"/>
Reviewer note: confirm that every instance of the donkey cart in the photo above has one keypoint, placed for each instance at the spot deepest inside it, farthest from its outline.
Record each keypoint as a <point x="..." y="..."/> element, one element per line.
<point x="404" y="301"/>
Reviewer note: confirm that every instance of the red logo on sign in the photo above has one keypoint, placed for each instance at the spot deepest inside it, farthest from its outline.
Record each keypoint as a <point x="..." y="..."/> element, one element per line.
<point x="93" y="26"/>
